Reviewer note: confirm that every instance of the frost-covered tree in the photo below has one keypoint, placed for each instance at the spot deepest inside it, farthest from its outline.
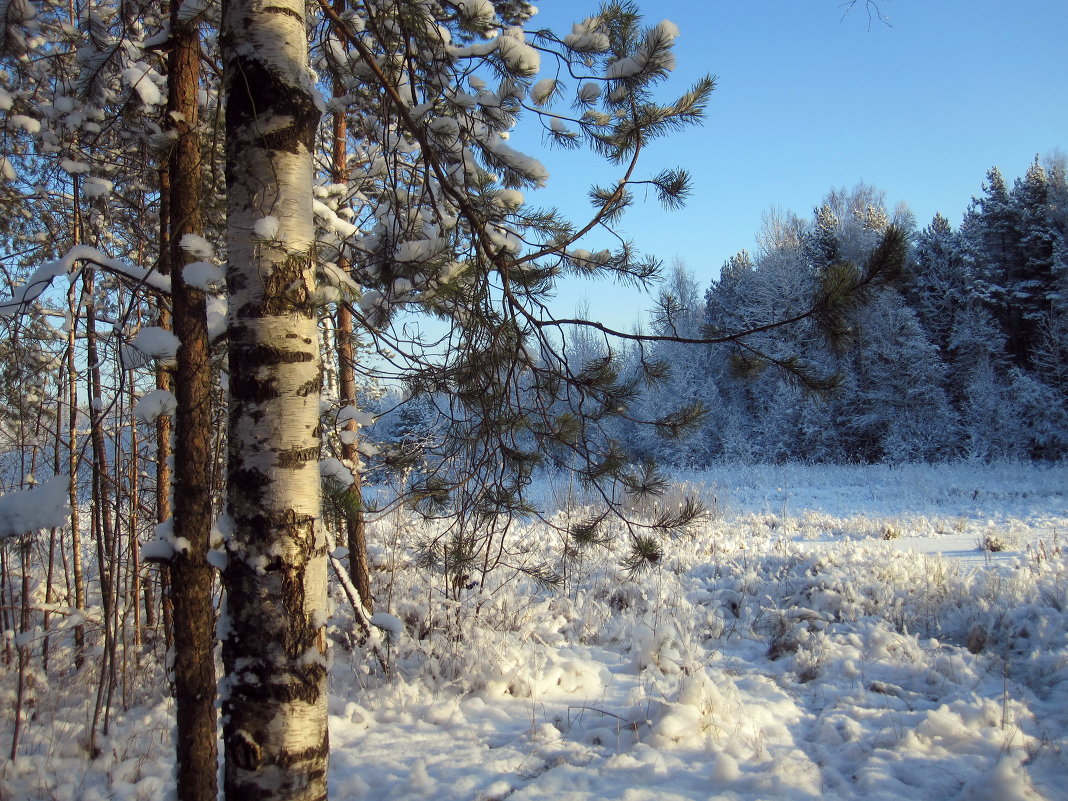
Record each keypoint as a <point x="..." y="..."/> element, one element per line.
<point x="1035" y="292"/>
<point x="949" y="299"/>
<point x="681" y="372"/>
<point x="992" y="232"/>
<point x="1057" y="170"/>
<point x="1040" y="417"/>
<point x="892" y="406"/>
<point x="758" y="404"/>
<point x="938" y="285"/>
<point x="1014" y="241"/>
<point x="803" y="269"/>
<point x="1051" y="352"/>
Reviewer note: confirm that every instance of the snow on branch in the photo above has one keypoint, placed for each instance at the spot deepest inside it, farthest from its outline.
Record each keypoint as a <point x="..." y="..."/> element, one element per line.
<point x="45" y="506"/>
<point x="42" y="277"/>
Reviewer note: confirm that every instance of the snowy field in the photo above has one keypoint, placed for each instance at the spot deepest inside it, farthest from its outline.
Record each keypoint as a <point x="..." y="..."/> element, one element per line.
<point x="827" y="632"/>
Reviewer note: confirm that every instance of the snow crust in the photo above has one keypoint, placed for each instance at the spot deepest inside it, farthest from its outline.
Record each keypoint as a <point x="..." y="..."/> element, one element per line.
<point x="529" y="167"/>
<point x="478" y="11"/>
<point x="21" y="121"/>
<point x="387" y="622"/>
<point x="517" y="54"/>
<point x="97" y="187"/>
<point x="586" y="38"/>
<point x="72" y="167"/>
<point x="159" y="549"/>
<point x="542" y="91"/>
<point x="355" y="414"/>
<point x="142" y="79"/>
<point x="650" y="55"/>
<point x="267" y="227"/>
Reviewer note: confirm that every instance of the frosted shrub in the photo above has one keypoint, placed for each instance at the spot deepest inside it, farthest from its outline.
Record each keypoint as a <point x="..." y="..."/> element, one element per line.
<point x="891" y="532"/>
<point x="994" y="543"/>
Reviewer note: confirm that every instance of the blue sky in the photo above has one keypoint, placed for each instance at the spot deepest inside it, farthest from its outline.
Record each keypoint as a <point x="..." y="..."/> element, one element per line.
<point x="808" y="101"/>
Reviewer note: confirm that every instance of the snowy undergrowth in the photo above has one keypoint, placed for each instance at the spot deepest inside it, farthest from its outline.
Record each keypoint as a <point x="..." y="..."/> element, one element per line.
<point x="135" y="760"/>
<point x="826" y="633"/>
<point x="808" y="641"/>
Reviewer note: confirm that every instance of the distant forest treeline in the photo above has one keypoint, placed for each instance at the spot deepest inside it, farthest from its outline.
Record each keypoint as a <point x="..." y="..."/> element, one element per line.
<point x="965" y="356"/>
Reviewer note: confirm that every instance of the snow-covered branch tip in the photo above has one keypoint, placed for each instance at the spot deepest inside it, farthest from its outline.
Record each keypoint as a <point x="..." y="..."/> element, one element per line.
<point x="43" y="276"/>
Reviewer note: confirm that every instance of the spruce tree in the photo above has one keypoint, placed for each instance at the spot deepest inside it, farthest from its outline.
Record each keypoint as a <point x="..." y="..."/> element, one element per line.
<point x="938" y="284"/>
<point x="1035" y="291"/>
<point x="992" y="235"/>
<point x="893" y="406"/>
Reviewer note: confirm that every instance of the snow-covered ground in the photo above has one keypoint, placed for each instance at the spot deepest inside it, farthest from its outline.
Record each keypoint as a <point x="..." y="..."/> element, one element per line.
<point x="827" y="632"/>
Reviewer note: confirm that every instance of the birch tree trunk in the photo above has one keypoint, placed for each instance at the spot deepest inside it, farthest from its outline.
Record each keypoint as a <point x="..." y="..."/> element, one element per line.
<point x="275" y="730"/>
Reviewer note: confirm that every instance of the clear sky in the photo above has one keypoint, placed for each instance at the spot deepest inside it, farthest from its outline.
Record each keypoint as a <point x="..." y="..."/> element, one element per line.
<point x="809" y="100"/>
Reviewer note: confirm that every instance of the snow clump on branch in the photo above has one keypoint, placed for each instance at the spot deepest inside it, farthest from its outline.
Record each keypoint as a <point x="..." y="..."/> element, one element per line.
<point x="586" y="38"/>
<point x="654" y="53"/>
<point x="155" y="404"/>
<point x="197" y="246"/>
<point x="42" y="507"/>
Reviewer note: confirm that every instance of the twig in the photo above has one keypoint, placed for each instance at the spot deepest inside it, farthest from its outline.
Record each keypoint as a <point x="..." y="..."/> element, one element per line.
<point x="357" y="606"/>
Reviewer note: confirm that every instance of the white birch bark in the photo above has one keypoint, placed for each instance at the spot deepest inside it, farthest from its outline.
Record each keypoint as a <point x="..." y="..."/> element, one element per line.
<point x="274" y="650"/>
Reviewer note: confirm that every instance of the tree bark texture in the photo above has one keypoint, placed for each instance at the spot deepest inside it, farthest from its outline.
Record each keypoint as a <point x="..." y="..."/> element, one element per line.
<point x="355" y="529"/>
<point x="274" y="650"/>
<point x="192" y="576"/>
<point x="356" y="535"/>
<point x="164" y="423"/>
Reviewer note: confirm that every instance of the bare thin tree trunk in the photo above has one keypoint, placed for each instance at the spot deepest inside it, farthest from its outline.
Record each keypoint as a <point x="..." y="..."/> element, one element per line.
<point x="275" y="654"/>
<point x="53" y="535"/>
<point x="356" y="540"/>
<point x="192" y="575"/>
<point x="7" y="598"/>
<point x="119" y="567"/>
<point x="23" y="647"/>
<point x="355" y="524"/>
<point x="133" y="477"/>
<point x="74" y="301"/>
<point x="101" y="508"/>
<point x="164" y="424"/>
<point x="50" y="596"/>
